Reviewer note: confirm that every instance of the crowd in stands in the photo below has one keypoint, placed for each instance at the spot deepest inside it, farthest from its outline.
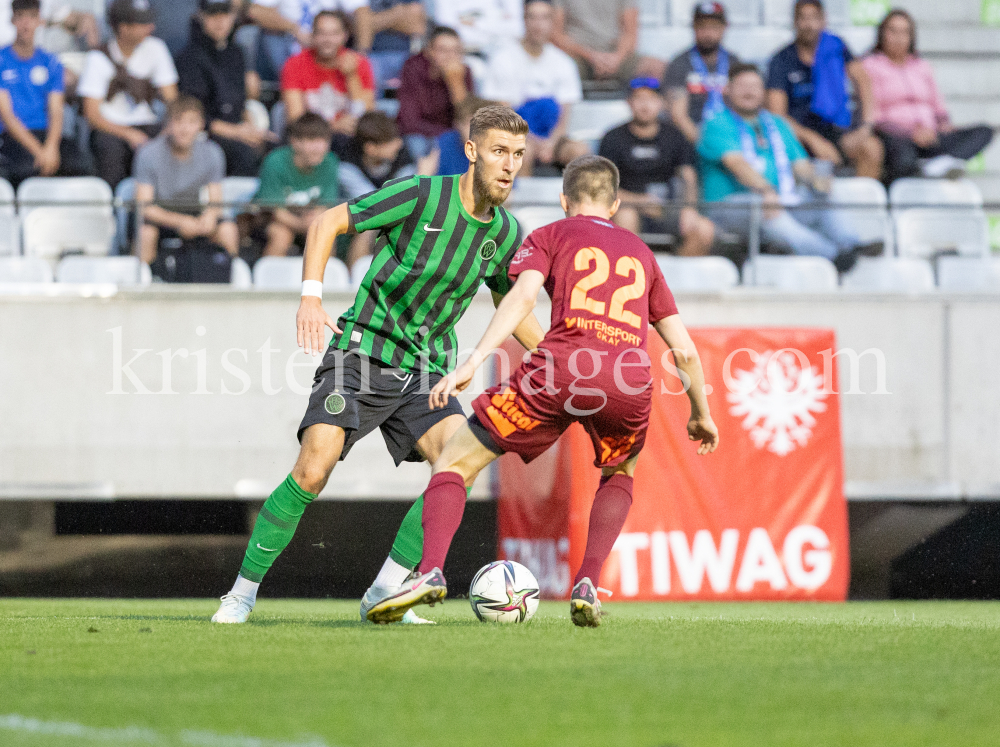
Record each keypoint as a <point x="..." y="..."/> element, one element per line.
<point x="364" y="91"/>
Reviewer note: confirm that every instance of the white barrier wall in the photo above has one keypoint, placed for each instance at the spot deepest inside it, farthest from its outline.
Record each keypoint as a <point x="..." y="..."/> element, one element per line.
<point x="195" y="392"/>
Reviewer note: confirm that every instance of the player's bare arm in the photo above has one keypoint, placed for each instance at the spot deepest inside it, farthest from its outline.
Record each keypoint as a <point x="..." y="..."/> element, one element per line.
<point x="700" y="427"/>
<point x="529" y="332"/>
<point x="311" y="317"/>
<point x="513" y="310"/>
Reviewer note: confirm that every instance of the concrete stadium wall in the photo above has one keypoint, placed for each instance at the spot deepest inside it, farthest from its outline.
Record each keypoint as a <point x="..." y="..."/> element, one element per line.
<point x="195" y="392"/>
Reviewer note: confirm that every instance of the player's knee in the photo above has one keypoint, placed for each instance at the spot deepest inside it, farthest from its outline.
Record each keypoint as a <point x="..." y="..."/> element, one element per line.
<point x="312" y="475"/>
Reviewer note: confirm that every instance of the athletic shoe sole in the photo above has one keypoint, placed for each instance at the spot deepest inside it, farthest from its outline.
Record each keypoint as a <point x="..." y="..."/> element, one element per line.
<point x="585" y="614"/>
<point x="392" y="609"/>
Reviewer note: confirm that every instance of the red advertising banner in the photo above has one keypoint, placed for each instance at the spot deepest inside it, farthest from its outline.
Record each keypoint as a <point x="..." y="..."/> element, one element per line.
<point x="764" y="517"/>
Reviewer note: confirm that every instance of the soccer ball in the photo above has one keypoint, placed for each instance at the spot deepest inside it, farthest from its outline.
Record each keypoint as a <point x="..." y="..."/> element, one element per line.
<point x="504" y="592"/>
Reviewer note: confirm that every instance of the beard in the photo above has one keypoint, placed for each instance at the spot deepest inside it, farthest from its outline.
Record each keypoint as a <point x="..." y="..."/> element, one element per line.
<point x="707" y="49"/>
<point x="494" y="195"/>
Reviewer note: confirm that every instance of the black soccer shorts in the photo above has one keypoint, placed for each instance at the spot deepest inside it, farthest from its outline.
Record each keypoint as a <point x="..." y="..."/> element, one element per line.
<point x="359" y="394"/>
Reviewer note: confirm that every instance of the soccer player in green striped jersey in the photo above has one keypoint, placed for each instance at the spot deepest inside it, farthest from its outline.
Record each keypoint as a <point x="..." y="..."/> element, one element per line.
<point x="439" y="239"/>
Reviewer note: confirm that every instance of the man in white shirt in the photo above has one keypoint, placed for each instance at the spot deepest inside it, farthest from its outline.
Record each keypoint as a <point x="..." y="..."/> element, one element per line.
<point x="287" y="27"/>
<point x="120" y="85"/>
<point x="482" y="25"/>
<point x="542" y="83"/>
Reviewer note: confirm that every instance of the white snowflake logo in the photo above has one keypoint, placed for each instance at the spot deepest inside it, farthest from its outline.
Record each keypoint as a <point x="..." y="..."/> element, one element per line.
<point x="777" y="400"/>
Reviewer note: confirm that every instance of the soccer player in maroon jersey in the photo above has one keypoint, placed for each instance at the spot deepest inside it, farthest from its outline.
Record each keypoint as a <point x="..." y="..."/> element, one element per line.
<point x="592" y="367"/>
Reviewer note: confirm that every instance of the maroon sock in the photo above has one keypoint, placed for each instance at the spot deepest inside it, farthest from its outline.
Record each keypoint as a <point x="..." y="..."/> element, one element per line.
<point x="444" y="503"/>
<point x="607" y="517"/>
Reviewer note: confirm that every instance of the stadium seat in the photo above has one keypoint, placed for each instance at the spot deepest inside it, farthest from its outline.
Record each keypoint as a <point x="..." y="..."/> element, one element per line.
<point x="285" y="273"/>
<point x="237" y="192"/>
<point x="125" y="270"/>
<point x="38" y="192"/>
<point x="589" y="120"/>
<point x="756" y="44"/>
<point x="788" y="273"/>
<point x="929" y="193"/>
<point x="924" y="232"/>
<point x="535" y="217"/>
<point x="536" y="190"/>
<point x="890" y="275"/>
<point x="9" y="233"/>
<point x="698" y="273"/>
<point x="25" y="270"/>
<point x="359" y="269"/>
<point x="240" y="275"/>
<point x="52" y="231"/>
<point x="871" y="223"/>
<point x="664" y="42"/>
<point x="969" y="274"/>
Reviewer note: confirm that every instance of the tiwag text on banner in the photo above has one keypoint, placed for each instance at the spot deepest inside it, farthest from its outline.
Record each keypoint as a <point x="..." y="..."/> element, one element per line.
<point x="764" y="517"/>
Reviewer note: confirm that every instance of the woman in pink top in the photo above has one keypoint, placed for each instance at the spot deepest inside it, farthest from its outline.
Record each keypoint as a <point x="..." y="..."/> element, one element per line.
<point x="909" y="112"/>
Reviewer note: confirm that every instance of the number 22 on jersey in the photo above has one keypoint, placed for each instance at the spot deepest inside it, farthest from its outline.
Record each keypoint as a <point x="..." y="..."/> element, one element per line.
<point x="624" y="267"/>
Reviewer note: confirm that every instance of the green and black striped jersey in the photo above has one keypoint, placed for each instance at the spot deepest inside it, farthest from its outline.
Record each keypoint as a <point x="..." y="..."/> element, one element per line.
<point x="431" y="257"/>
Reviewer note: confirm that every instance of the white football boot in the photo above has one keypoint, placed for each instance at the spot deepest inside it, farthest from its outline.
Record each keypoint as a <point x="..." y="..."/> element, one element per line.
<point x="234" y="609"/>
<point x="429" y="588"/>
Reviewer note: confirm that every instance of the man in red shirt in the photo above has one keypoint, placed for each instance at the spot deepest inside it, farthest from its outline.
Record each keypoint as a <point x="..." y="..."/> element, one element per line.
<point x="329" y="79"/>
<point x="606" y="289"/>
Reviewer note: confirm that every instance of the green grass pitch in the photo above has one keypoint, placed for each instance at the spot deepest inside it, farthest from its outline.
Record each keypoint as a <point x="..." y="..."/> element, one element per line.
<point x="310" y="674"/>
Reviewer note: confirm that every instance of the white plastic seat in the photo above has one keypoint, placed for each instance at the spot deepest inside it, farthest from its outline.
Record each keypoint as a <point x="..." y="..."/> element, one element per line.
<point x="51" y="231"/>
<point x="923" y="232"/>
<point x="589" y="120"/>
<point x="871" y="223"/>
<point x="890" y="275"/>
<point x="359" y="269"/>
<point x="755" y="44"/>
<point x="9" y="234"/>
<point x="125" y="270"/>
<point x="532" y="218"/>
<point x="87" y="192"/>
<point x="789" y="273"/>
<point x="932" y="193"/>
<point x="285" y="273"/>
<point x="238" y="191"/>
<point x="536" y="190"/>
<point x="969" y="274"/>
<point x="25" y="270"/>
<point x="240" y="275"/>
<point x="698" y="273"/>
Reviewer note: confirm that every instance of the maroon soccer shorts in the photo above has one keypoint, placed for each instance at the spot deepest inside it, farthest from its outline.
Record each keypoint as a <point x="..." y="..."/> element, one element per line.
<point x="527" y="423"/>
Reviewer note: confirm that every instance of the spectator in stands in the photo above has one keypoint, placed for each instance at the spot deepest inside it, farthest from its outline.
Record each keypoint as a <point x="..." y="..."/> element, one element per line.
<point x="121" y="85"/>
<point x="696" y="78"/>
<point x="172" y="169"/>
<point x="748" y="154"/>
<point x="31" y="105"/>
<point x="483" y="25"/>
<point x="329" y="79"/>
<point x="287" y="28"/>
<point x="650" y="155"/>
<point x="433" y="83"/>
<point x="449" y="147"/>
<point x="376" y="155"/>
<point x="80" y="30"/>
<point x="389" y="35"/>
<point x="298" y="182"/>
<point x="807" y="82"/>
<point x="910" y="115"/>
<point x="542" y="83"/>
<point x="602" y="36"/>
<point x="212" y="69"/>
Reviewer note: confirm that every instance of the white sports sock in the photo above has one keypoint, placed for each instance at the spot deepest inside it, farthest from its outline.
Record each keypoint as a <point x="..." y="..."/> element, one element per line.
<point x="392" y="574"/>
<point x="245" y="588"/>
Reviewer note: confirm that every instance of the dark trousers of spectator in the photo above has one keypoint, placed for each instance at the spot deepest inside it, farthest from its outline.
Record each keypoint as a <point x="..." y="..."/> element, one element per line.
<point x="241" y="159"/>
<point x="17" y="163"/>
<point x="902" y="155"/>
<point x="113" y="156"/>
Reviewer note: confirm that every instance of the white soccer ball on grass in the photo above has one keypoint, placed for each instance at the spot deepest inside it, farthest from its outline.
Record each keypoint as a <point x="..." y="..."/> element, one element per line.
<point x="504" y="592"/>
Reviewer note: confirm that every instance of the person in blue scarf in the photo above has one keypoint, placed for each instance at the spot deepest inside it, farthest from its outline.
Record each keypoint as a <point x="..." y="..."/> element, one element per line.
<point x="808" y="83"/>
<point x="748" y="154"/>
<point x="696" y="77"/>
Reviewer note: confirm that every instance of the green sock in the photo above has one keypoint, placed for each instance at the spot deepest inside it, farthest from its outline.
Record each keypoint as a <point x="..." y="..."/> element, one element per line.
<point x="274" y="528"/>
<point x="408" y="548"/>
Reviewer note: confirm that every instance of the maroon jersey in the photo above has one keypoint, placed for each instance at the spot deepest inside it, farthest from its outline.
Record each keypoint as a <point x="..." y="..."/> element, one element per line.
<point x="606" y="289"/>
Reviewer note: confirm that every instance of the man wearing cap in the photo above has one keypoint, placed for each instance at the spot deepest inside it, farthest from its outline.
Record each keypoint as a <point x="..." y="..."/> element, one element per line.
<point x="213" y="70"/>
<point x="121" y="83"/>
<point x="652" y="156"/>
<point x="696" y="78"/>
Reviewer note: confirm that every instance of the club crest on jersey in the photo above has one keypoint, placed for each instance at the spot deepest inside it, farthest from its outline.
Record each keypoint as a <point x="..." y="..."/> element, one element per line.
<point x="488" y="249"/>
<point x="335" y="403"/>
